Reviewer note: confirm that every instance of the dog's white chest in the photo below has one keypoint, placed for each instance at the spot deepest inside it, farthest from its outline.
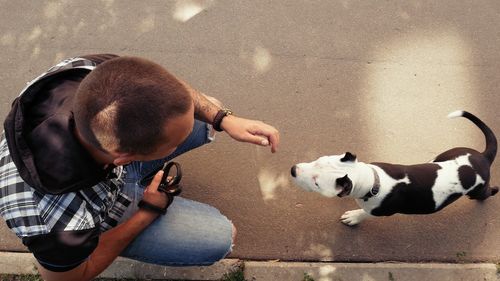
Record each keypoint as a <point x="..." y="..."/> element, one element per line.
<point x="387" y="183"/>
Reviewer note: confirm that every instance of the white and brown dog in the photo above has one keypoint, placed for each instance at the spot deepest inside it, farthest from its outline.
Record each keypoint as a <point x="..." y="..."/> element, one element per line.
<point x="383" y="189"/>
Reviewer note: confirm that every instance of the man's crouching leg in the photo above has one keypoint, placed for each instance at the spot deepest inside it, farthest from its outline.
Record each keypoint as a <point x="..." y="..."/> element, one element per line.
<point x="191" y="233"/>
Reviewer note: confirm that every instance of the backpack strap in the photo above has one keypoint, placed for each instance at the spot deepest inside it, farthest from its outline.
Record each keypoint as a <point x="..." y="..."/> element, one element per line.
<point x="66" y="64"/>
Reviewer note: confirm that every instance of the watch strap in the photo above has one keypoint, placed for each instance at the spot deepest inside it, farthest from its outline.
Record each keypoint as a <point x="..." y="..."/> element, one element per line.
<point x="155" y="209"/>
<point x="218" y="118"/>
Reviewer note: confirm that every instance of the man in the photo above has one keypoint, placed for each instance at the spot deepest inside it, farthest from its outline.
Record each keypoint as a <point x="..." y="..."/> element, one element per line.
<point x="79" y="142"/>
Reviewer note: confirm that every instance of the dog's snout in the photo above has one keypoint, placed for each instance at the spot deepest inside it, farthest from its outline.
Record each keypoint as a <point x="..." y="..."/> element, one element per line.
<point x="294" y="171"/>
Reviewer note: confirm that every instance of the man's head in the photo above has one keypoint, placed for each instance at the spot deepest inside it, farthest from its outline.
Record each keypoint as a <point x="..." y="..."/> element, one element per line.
<point x="133" y="107"/>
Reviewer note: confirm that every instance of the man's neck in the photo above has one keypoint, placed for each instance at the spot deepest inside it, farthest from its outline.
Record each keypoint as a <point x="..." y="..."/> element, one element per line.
<point x="99" y="156"/>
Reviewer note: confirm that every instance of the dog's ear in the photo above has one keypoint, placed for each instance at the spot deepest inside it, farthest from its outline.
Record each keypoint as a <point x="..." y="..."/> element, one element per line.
<point x="348" y="157"/>
<point x="346" y="184"/>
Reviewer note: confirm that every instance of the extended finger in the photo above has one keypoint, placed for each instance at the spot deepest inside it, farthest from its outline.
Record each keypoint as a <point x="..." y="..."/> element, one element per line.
<point x="156" y="180"/>
<point x="274" y="138"/>
<point x="275" y="141"/>
<point x="271" y="137"/>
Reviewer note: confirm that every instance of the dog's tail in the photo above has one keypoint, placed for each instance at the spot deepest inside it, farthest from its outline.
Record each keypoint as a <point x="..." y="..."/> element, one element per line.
<point x="491" y="141"/>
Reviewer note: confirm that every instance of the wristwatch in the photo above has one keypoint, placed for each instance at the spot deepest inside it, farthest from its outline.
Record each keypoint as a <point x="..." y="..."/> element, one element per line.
<point x="218" y="118"/>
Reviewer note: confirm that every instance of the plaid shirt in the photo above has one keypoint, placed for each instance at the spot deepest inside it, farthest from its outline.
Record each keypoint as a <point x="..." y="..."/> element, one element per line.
<point x="28" y="212"/>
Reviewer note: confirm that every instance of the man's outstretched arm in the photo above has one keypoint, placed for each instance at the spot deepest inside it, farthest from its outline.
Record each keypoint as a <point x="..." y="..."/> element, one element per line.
<point x="240" y="129"/>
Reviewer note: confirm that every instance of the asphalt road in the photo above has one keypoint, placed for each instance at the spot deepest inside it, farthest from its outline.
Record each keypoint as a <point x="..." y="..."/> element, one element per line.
<point x="376" y="78"/>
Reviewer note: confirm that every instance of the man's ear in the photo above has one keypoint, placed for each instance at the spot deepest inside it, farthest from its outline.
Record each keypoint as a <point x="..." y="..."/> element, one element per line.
<point x="348" y="157"/>
<point x="346" y="184"/>
<point x="123" y="159"/>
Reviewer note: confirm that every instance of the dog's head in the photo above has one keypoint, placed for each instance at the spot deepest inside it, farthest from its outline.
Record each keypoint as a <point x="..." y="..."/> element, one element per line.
<point x="328" y="175"/>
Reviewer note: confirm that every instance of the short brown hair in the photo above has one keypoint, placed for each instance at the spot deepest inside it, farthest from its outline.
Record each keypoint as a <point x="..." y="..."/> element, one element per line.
<point x="125" y="102"/>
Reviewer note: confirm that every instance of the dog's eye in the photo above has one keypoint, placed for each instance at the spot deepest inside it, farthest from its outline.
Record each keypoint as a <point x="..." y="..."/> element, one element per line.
<point x="317" y="185"/>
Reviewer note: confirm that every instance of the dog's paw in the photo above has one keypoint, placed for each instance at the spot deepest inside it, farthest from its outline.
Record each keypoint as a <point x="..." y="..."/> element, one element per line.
<point x="354" y="217"/>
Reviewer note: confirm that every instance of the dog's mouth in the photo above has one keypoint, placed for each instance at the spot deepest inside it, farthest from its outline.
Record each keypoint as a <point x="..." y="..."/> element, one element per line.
<point x="302" y="185"/>
<point x="345" y="192"/>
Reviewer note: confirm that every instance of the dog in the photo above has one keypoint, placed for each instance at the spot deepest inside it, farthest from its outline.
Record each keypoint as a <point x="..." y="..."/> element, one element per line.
<point x="383" y="189"/>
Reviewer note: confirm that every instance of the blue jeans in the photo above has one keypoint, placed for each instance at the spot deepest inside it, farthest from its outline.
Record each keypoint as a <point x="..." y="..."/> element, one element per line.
<point x="191" y="233"/>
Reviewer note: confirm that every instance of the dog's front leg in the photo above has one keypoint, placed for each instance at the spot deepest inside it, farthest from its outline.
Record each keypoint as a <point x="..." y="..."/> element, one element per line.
<point x="354" y="217"/>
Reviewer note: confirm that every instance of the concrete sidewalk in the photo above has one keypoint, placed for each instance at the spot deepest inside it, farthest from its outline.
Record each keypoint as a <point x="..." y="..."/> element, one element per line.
<point x="23" y="263"/>
<point x="375" y="78"/>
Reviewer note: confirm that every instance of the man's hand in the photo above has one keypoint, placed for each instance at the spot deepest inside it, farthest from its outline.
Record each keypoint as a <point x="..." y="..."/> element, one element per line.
<point x="251" y="131"/>
<point x="152" y="195"/>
